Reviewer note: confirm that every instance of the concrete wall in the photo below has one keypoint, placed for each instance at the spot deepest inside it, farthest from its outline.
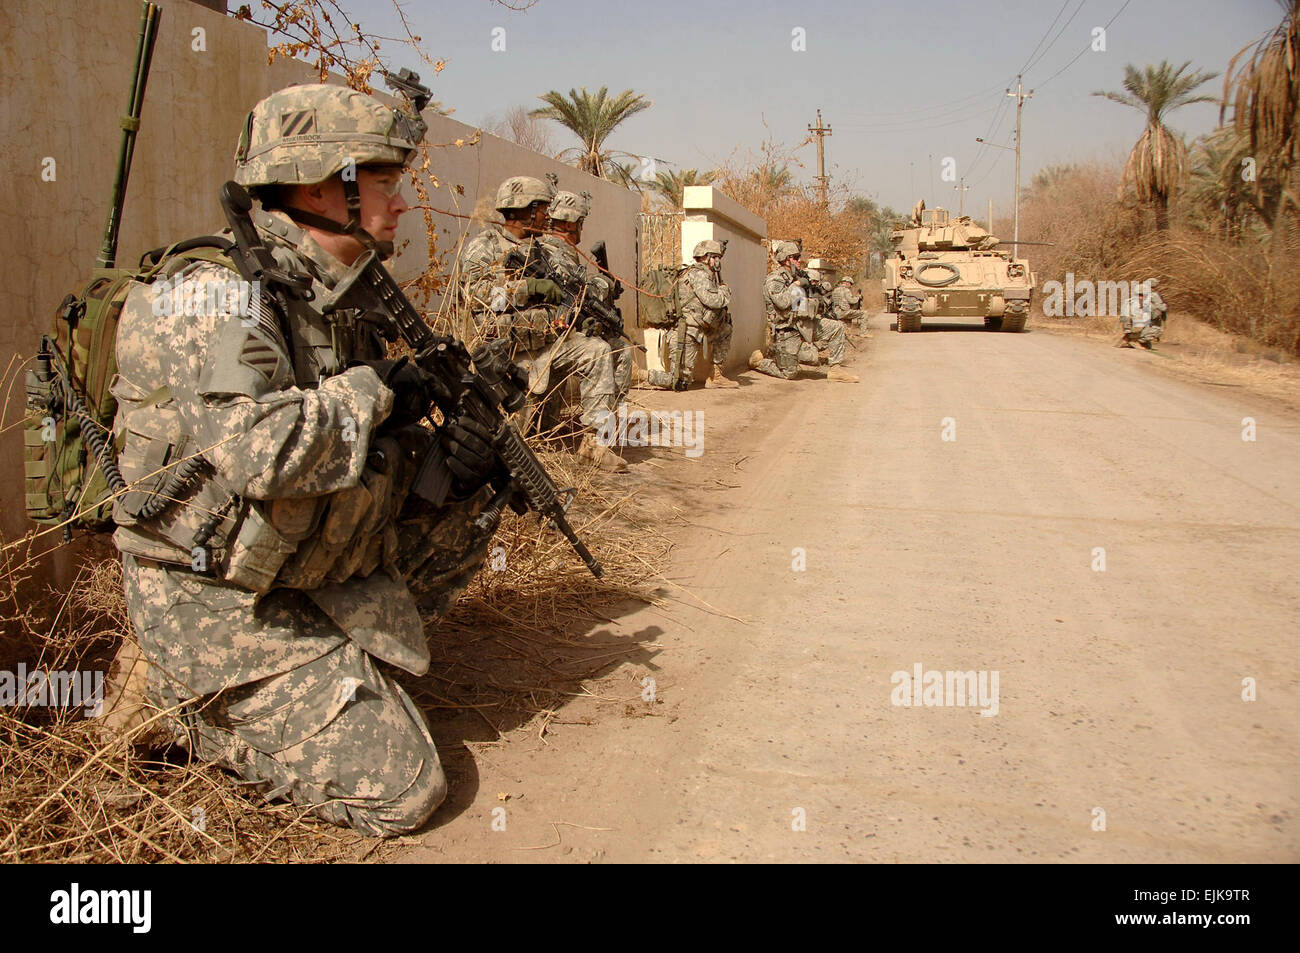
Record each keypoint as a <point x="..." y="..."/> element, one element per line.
<point x="69" y="78"/>
<point x="712" y="215"/>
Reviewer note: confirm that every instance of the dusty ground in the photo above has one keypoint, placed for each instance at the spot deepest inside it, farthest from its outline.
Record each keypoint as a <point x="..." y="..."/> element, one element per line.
<point x="1119" y="690"/>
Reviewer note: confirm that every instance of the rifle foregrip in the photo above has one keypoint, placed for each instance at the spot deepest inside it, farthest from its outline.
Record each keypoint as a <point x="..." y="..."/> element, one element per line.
<point x="538" y="488"/>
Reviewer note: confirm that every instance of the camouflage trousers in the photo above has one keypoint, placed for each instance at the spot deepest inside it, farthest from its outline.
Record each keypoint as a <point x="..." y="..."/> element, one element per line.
<point x="270" y="687"/>
<point x="786" y="342"/>
<point x="590" y="359"/>
<point x="1145" y="335"/>
<point x="623" y="354"/>
<point x="696" y="334"/>
<point x="855" y="317"/>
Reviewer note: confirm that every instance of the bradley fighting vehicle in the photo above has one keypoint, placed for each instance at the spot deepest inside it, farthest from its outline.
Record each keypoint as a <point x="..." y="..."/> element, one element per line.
<point x="944" y="268"/>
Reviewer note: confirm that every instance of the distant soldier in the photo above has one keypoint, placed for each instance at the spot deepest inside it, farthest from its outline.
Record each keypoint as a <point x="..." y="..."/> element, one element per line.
<point x="786" y="299"/>
<point x="526" y="310"/>
<point x="705" y="299"/>
<point x="846" y="301"/>
<point x="1138" y="322"/>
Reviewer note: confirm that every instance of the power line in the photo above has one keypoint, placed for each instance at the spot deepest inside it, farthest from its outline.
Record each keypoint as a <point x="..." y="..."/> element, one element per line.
<point x="1045" y="35"/>
<point x="906" y="127"/>
<point x="1086" y="48"/>
<point x="947" y="107"/>
<point x="1059" y="33"/>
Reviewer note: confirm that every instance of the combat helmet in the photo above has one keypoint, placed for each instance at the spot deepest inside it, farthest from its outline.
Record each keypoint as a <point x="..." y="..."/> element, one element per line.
<point x="302" y="135"/>
<point x="568" y="207"/>
<point x="521" y="191"/>
<point x="785" y="251"/>
<point x="707" y="247"/>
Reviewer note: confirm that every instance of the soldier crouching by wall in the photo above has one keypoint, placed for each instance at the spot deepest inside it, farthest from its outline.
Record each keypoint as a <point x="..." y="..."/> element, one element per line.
<point x="267" y="638"/>
<point x="786" y="297"/>
<point x="705" y="315"/>
<point x="526" y="310"/>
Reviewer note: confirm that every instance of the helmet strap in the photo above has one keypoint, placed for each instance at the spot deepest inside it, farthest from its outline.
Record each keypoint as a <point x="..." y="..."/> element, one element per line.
<point x="352" y="194"/>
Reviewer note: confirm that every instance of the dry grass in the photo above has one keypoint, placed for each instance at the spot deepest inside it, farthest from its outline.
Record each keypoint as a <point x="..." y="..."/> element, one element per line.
<point x="1232" y="286"/>
<point x="512" y="650"/>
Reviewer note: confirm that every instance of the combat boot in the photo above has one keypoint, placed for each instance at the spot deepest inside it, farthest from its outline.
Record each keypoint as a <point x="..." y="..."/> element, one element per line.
<point x="755" y="359"/>
<point x="837" y="373"/>
<point x="605" y="458"/>
<point x="717" y="380"/>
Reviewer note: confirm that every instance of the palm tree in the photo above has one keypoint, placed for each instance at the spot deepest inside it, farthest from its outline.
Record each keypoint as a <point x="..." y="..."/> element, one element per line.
<point x="591" y="119"/>
<point x="1265" y="111"/>
<point x="773" y="180"/>
<point x="672" y="185"/>
<point x="1157" y="164"/>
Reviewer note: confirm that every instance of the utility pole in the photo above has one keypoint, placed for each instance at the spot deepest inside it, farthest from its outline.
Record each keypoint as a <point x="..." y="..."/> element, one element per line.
<point x="1021" y="96"/>
<point x="990" y="216"/>
<point x="821" y="132"/>
<point x="962" y="188"/>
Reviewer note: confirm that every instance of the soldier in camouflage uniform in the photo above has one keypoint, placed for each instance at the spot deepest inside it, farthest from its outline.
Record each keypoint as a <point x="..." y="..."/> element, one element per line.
<point x="704" y="300"/>
<point x="266" y="639"/>
<point x="525" y="310"/>
<point x="560" y="246"/>
<point x="784" y="295"/>
<point x="846" y="302"/>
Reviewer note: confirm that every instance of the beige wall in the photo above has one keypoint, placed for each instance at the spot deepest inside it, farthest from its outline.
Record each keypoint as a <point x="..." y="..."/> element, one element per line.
<point x="69" y="79"/>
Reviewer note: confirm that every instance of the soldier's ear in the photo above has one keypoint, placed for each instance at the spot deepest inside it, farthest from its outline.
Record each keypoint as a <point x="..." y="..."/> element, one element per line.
<point x="315" y="197"/>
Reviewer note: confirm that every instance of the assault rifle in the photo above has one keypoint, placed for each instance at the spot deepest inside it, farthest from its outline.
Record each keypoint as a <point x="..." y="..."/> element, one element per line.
<point x="588" y="314"/>
<point x="485" y="385"/>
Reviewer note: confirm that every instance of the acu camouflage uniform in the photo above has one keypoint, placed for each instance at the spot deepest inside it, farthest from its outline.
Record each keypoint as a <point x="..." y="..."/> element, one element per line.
<point x="564" y="259"/>
<point x="782" y="323"/>
<point x="704" y="304"/>
<point x="846" y="303"/>
<point x="267" y="637"/>
<point x="500" y="305"/>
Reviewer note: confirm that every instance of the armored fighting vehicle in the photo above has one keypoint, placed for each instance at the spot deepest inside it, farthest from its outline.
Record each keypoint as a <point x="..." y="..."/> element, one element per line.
<point x="942" y="268"/>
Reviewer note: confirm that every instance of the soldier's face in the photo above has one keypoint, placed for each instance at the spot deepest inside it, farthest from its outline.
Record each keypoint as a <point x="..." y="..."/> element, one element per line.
<point x="571" y="232"/>
<point x="382" y="203"/>
<point x="541" y="217"/>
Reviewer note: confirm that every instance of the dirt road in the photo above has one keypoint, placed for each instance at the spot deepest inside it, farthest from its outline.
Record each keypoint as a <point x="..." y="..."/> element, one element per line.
<point x="834" y="537"/>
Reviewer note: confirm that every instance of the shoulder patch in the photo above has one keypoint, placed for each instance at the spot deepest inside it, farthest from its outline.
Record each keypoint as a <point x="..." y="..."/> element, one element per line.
<point x="260" y="356"/>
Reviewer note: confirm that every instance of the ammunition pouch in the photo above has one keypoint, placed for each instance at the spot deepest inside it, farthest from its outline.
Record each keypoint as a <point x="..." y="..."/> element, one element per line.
<point x="530" y="329"/>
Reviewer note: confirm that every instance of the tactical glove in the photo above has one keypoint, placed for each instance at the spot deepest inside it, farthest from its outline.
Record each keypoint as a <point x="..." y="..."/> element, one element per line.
<point x="543" y="288"/>
<point x="410" y="387"/>
<point x="803" y="283"/>
<point x="470" y="457"/>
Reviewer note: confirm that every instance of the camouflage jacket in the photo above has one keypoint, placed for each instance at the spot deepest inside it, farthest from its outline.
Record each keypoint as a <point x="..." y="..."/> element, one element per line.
<point x="703" y="298"/>
<point x="498" y="301"/>
<point x="843" y="300"/>
<point x="203" y="368"/>
<point x="564" y="258"/>
<point x="779" y="299"/>
<point x="483" y="281"/>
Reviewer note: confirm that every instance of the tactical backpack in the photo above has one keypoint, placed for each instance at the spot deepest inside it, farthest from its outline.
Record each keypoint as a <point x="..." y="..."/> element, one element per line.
<point x="659" y="301"/>
<point x="69" y="454"/>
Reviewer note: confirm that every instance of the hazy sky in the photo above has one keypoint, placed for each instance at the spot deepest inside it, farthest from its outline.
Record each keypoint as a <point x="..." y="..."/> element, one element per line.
<point x="901" y="84"/>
